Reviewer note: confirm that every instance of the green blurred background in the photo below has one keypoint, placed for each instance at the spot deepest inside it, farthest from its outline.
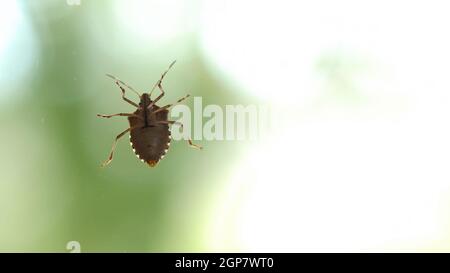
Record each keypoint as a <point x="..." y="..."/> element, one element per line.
<point x="356" y="159"/>
<point x="53" y="189"/>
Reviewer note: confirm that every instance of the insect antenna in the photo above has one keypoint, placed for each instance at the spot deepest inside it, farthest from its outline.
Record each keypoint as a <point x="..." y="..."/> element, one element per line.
<point x="162" y="77"/>
<point x="121" y="82"/>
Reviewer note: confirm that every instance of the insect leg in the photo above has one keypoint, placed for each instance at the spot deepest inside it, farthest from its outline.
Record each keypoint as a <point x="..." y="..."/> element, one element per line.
<point x="118" y="83"/>
<point x="119" y="114"/>
<point x="157" y="98"/>
<point x="110" y="158"/>
<point x="159" y="84"/>
<point x="189" y="141"/>
<point x="170" y="105"/>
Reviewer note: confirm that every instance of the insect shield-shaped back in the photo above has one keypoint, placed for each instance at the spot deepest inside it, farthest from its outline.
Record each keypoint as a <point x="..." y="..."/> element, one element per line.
<point x="149" y="126"/>
<point x="150" y="143"/>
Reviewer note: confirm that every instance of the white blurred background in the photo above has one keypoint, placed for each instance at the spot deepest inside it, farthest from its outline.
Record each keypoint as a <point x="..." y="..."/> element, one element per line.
<point x="360" y="162"/>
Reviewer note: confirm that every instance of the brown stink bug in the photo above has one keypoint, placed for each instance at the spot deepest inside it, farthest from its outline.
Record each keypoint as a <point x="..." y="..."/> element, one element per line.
<point x="149" y="124"/>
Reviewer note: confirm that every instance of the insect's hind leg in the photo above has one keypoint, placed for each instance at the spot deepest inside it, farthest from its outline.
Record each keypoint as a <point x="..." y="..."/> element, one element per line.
<point x="111" y="155"/>
<point x="189" y="141"/>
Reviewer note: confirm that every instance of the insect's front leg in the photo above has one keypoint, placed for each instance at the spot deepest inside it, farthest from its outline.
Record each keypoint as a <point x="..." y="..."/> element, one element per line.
<point x="157" y="98"/>
<point x="189" y="141"/>
<point x="123" y="96"/>
<point x="118" y="83"/>
<point x="159" y="85"/>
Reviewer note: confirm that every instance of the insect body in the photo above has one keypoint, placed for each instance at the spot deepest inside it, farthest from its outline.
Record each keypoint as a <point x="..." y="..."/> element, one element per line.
<point x="149" y="124"/>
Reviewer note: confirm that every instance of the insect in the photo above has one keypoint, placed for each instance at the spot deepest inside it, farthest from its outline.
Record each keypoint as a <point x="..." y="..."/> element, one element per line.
<point x="149" y="125"/>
